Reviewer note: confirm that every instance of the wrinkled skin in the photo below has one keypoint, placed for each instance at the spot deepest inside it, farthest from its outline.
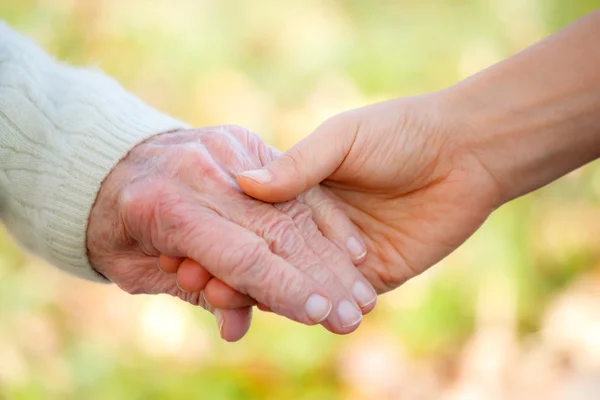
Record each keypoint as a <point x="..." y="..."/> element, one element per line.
<point x="404" y="173"/>
<point x="176" y="195"/>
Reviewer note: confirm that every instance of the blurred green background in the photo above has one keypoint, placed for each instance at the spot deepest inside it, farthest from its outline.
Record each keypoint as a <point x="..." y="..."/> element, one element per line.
<point x="514" y="313"/>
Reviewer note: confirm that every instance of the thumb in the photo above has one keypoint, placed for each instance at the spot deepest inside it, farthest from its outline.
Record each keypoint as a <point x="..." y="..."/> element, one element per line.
<point x="303" y="166"/>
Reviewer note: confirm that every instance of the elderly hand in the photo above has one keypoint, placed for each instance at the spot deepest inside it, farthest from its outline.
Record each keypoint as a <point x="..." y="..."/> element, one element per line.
<point x="176" y="195"/>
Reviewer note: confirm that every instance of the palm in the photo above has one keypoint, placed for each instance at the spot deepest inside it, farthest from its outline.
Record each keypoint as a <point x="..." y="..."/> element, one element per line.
<point x="408" y="233"/>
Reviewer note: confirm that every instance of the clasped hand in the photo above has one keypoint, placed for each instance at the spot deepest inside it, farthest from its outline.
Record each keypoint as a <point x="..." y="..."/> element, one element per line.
<point x="402" y="187"/>
<point x="393" y="187"/>
<point x="176" y="196"/>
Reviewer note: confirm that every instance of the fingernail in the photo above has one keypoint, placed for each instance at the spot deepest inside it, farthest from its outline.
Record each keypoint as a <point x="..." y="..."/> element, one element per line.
<point x="258" y="175"/>
<point x="349" y="314"/>
<point x="363" y="294"/>
<point x="220" y="321"/>
<point x="177" y="283"/>
<point x="318" y="308"/>
<point x="208" y="306"/>
<point x="356" y="248"/>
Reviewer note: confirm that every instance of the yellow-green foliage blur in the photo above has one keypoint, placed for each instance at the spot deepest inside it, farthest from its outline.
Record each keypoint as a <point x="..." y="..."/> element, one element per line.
<point x="513" y="314"/>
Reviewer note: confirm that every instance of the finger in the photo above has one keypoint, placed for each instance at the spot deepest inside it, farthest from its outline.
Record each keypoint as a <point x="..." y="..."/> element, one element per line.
<point x="169" y="264"/>
<point x="191" y="276"/>
<point x="337" y="263"/>
<point x="220" y="295"/>
<point x="244" y="260"/>
<point x="330" y="219"/>
<point x="335" y="224"/>
<point x="286" y="231"/>
<point x="305" y="165"/>
<point x="262" y="307"/>
<point x="233" y="324"/>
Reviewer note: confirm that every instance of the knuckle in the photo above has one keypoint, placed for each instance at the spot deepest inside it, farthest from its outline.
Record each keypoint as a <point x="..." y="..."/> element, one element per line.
<point x="190" y="159"/>
<point x="228" y="150"/>
<point x="245" y="262"/>
<point x="319" y="201"/>
<point x="250" y="143"/>
<point x="280" y="225"/>
<point x="282" y="288"/>
<point x="286" y="287"/>
<point x="301" y="216"/>
<point x="237" y="131"/>
<point x="283" y="237"/>
<point x="217" y="138"/>
<point x="322" y="275"/>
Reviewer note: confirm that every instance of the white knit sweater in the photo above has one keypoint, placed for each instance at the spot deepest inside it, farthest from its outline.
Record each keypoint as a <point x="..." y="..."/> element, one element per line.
<point x="62" y="130"/>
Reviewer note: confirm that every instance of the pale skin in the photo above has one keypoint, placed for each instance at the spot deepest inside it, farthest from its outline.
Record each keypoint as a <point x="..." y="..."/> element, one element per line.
<point x="419" y="175"/>
<point x="176" y="195"/>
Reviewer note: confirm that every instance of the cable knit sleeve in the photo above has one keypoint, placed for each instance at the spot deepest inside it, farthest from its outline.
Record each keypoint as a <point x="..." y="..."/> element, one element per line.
<point x="62" y="129"/>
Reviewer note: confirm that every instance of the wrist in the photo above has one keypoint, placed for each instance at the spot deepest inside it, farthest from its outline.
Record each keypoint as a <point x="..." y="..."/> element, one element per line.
<point x="63" y="129"/>
<point x="463" y="144"/>
<point x="535" y="116"/>
<point x="107" y="231"/>
<point x="522" y="136"/>
<point x="482" y="133"/>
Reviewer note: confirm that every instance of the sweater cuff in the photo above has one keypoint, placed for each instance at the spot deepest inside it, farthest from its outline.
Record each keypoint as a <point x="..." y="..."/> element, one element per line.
<point x="111" y="133"/>
<point x="62" y="130"/>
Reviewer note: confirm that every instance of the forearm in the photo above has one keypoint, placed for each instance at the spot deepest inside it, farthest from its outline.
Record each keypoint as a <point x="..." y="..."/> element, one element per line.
<point x="536" y="116"/>
<point x="62" y="129"/>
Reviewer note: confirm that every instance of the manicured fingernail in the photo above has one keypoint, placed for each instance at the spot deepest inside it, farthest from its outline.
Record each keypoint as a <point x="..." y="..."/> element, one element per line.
<point x="349" y="314"/>
<point x="363" y="294"/>
<point x="356" y="248"/>
<point x="318" y="308"/>
<point x="220" y="321"/>
<point x="259" y="175"/>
